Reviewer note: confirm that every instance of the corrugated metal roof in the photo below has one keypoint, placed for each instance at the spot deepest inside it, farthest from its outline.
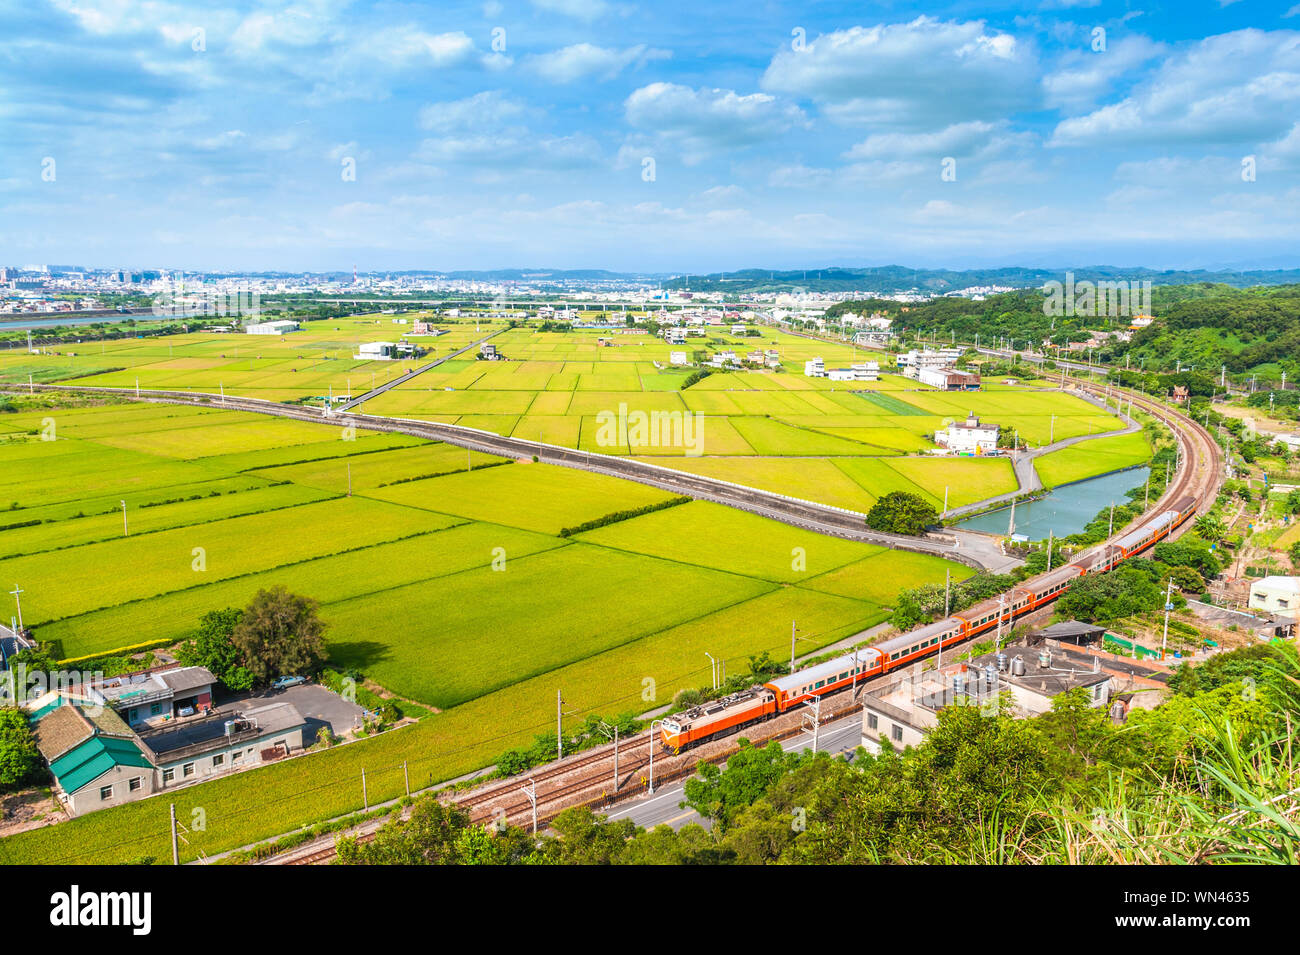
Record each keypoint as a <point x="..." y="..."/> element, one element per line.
<point x="93" y="759"/>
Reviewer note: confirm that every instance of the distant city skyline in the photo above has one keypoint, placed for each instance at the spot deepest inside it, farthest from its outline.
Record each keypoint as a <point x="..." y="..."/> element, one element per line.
<point x="322" y="135"/>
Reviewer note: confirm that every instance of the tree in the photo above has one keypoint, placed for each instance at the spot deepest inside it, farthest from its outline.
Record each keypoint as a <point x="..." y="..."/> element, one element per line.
<point x="280" y="633"/>
<point x="432" y="835"/>
<point x="214" y="647"/>
<point x="721" y="794"/>
<point x="1211" y="527"/>
<point x="20" y="760"/>
<point x="1294" y="553"/>
<point x="899" y="512"/>
<point x="1187" y="579"/>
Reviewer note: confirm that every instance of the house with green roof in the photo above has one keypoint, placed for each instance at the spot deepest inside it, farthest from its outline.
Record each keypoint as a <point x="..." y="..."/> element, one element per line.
<point x="93" y="755"/>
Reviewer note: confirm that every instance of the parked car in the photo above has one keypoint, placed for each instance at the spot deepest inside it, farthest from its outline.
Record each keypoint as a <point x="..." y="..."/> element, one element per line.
<point x="284" y="682"/>
<point x="185" y="711"/>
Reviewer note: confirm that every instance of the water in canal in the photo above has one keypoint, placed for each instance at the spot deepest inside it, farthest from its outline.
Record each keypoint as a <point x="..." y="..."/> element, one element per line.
<point x="1064" y="510"/>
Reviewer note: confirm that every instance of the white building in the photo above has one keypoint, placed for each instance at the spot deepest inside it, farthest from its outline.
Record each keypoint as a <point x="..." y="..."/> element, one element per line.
<point x="675" y="336"/>
<point x="278" y="327"/>
<point x="677" y="358"/>
<point x="738" y="330"/>
<point x="841" y="374"/>
<point x="913" y="361"/>
<point x="376" y="351"/>
<point x="866" y="371"/>
<point x="816" y="368"/>
<point x="1276" y="595"/>
<point x="970" y="437"/>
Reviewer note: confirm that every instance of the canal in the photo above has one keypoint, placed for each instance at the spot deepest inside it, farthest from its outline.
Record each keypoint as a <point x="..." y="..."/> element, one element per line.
<point x="1064" y="510"/>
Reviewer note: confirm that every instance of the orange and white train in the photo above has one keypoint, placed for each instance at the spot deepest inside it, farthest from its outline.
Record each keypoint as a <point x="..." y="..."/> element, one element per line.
<point x="730" y="714"/>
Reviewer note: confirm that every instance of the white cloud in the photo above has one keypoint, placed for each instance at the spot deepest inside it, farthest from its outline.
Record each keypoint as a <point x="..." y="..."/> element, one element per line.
<point x="910" y="75"/>
<point x="960" y="139"/>
<point x="1237" y="87"/>
<point x="583" y="59"/>
<point x="1085" y="76"/>
<point x="699" y="122"/>
<point x="486" y="110"/>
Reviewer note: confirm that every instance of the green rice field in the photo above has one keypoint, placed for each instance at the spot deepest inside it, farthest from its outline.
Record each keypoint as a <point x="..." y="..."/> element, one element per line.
<point x="441" y="574"/>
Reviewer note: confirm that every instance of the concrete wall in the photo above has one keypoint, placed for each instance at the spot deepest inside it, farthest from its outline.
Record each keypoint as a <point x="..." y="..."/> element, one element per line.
<point x="87" y="799"/>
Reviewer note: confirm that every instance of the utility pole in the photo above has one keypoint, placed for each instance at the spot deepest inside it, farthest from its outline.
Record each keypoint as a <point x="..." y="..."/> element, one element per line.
<point x="365" y="795"/>
<point x="713" y="669"/>
<point x="815" y="704"/>
<point x="124" y="528"/>
<point x="1169" y="593"/>
<point x="176" y="853"/>
<point x="793" y="631"/>
<point x="1111" y="529"/>
<point x="1002" y="599"/>
<point x="559" y="732"/>
<point x="1049" y="549"/>
<point x="17" y="593"/>
<point x="1051" y="437"/>
<point x="406" y="777"/>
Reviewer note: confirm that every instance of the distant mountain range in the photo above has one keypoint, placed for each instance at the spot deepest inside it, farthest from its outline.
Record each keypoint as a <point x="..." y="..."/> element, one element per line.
<point x="892" y="279"/>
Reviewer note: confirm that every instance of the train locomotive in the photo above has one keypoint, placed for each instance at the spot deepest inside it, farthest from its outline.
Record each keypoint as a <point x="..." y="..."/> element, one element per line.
<point x="731" y="714"/>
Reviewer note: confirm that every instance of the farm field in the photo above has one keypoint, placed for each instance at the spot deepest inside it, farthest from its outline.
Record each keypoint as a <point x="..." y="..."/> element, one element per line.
<point x="555" y="386"/>
<point x="1089" y="458"/>
<point x="410" y="560"/>
<point x="447" y="585"/>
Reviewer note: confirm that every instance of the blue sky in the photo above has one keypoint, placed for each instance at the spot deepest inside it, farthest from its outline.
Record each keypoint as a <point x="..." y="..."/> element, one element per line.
<point x="649" y="136"/>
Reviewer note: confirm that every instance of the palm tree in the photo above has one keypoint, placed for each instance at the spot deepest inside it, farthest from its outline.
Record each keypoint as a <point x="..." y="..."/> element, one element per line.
<point x="1211" y="528"/>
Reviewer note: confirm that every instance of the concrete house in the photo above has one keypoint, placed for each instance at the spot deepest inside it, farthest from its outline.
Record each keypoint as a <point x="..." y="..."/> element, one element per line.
<point x="1276" y="595"/>
<point x="93" y="756"/>
<point x="969" y="437"/>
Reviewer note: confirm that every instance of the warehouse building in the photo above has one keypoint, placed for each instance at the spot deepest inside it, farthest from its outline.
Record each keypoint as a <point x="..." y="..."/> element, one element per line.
<point x="278" y="327"/>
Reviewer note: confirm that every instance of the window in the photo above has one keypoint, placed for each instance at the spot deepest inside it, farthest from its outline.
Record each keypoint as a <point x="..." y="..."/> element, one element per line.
<point x="873" y="721"/>
<point x="135" y="783"/>
<point x="218" y="760"/>
<point x="236" y="756"/>
<point x="155" y="709"/>
<point x="105" y="792"/>
<point x="897" y="733"/>
<point x="187" y="770"/>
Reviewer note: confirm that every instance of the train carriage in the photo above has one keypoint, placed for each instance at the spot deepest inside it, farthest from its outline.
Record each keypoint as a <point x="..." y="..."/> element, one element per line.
<point x="1136" y="541"/>
<point x="985" y="614"/>
<point x="828" y="677"/>
<point x="1048" y="586"/>
<point x="903" y="649"/>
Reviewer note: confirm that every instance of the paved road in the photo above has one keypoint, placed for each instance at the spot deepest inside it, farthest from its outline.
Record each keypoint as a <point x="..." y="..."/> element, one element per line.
<point x="664" y="807"/>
